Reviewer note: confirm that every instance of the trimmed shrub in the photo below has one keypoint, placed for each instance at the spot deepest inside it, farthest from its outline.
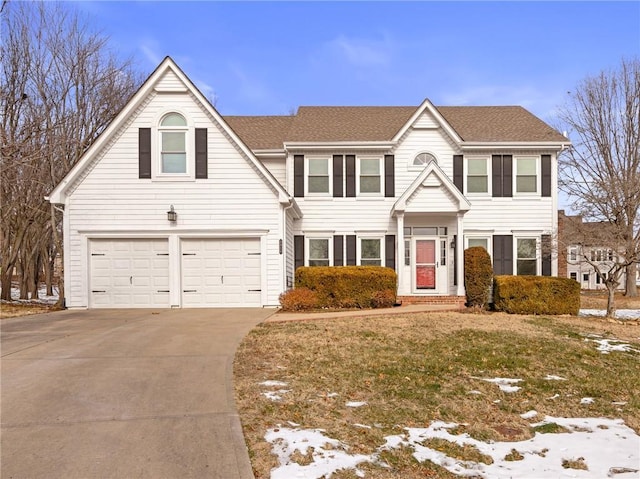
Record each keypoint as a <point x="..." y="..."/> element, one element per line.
<point x="298" y="299"/>
<point x="350" y="286"/>
<point x="536" y="295"/>
<point x="478" y="276"/>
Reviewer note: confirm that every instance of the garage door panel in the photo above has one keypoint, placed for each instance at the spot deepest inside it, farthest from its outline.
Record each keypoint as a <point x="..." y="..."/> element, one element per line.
<point x="221" y="272"/>
<point x="129" y="273"/>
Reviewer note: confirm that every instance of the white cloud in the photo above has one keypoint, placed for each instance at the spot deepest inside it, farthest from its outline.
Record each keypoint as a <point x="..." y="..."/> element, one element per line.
<point x="149" y="49"/>
<point x="363" y="52"/>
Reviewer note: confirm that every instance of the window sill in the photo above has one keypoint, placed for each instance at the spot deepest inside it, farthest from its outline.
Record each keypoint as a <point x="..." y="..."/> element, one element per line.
<point x="170" y="178"/>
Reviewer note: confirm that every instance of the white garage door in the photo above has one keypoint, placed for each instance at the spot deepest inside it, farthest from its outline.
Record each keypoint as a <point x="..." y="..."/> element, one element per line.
<point x="129" y="273"/>
<point x="221" y="272"/>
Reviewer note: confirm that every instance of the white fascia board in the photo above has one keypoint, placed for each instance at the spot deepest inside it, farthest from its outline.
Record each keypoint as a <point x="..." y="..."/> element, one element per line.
<point x="270" y="153"/>
<point x="340" y="145"/>
<point x="514" y="145"/>
<point x="427" y="105"/>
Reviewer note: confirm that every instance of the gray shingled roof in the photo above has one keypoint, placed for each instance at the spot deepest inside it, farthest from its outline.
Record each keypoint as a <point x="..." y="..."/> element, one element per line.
<point x="381" y="123"/>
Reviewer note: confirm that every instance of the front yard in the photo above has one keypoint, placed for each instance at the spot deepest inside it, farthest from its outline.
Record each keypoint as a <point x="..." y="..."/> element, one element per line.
<point x="513" y="394"/>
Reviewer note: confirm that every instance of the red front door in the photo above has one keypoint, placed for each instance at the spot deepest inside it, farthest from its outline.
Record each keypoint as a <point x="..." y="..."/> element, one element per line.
<point x="426" y="264"/>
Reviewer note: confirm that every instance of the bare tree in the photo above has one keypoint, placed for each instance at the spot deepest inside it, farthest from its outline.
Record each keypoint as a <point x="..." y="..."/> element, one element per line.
<point x="60" y="87"/>
<point x="601" y="172"/>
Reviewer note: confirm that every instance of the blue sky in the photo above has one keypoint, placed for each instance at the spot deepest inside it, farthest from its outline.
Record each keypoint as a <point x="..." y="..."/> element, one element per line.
<point x="265" y="58"/>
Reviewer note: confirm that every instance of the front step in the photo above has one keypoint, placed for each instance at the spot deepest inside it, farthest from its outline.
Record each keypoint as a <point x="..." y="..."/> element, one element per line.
<point x="457" y="302"/>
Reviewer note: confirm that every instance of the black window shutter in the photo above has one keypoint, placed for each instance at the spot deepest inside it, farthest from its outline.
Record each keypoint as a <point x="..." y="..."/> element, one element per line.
<point x="507" y="168"/>
<point x="144" y="153"/>
<point x="337" y="176"/>
<point x="546" y="255"/>
<point x="351" y="175"/>
<point x="503" y="254"/>
<point x="389" y="176"/>
<point x="496" y="177"/>
<point x="546" y="175"/>
<point x="298" y="251"/>
<point x="298" y="176"/>
<point x="201" y="153"/>
<point x="351" y="250"/>
<point x="338" y="250"/>
<point x="458" y="177"/>
<point x="390" y="251"/>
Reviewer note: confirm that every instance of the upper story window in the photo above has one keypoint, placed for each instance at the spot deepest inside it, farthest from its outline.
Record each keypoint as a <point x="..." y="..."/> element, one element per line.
<point x="526" y="175"/>
<point x="318" y="176"/>
<point x="477" y="175"/>
<point x="423" y="158"/>
<point x="369" y="175"/>
<point x="173" y="144"/>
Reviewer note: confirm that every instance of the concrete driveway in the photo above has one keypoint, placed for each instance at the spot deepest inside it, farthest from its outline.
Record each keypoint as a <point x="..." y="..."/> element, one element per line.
<point x="123" y="394"/>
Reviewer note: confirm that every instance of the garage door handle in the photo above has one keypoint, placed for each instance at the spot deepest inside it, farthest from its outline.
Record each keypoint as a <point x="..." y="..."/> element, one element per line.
<point x="189" y="290"/>
<point x="163" y="291"/>
<point x="98" y="291"/>
<point x="130" y="279"/>
<point x="222" y="279"/>
<point x="254" y="290"/>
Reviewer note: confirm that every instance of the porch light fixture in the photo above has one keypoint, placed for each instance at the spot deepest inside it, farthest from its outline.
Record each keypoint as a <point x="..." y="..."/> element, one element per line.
<point x="172" y="216"/>
<point x="453" y="243"/>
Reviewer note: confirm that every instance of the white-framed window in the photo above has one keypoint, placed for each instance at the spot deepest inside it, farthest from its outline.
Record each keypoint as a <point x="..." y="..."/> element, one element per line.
<point x="421" y="160"/>
<point x="173" y="133"/>
<point x="477" y="175"/>
<point x="319" y="251"/>
<point x="482" y="241"/>
<point x="370" y="251"/>
<point x="573" y="254"/>
<point x="369" y="176"/>
<point x="526" y="256"/>
<point x="526" y="173"/>
<point x="318" y="178"/>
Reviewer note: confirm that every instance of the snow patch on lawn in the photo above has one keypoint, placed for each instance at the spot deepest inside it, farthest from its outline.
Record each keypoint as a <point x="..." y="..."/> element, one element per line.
<point x="271" y="383"/>
<point x="619" y="314"/>
<point x="505" y="384"/>
<point x="605" y="346"/>
<point x="356" y="404"/>
<point x="542" y="455"/>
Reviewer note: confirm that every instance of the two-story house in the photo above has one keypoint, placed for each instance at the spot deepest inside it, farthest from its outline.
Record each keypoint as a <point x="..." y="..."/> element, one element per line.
<point x="175" y="205"/>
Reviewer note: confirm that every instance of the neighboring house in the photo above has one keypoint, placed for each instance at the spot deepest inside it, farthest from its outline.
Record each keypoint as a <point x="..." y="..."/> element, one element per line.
<point x="175" y="205"/>
<point x="581" y="252"/>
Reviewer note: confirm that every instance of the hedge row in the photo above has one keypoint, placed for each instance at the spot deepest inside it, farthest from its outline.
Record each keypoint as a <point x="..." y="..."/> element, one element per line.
<point x="342" y="287"/>
<point x="536" y="295"/>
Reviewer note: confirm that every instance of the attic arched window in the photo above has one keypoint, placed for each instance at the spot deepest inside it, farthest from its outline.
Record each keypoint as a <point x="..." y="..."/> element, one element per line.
<point x="423" y="158"/>
<point x="173" y="143"/>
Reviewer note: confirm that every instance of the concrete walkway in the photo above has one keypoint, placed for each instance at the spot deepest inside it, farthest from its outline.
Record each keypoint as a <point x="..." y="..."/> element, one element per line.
<point x="410" y="308"/>
<point x="123" y="394"/>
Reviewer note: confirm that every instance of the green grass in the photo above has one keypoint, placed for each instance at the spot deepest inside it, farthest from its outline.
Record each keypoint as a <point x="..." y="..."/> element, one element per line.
<point x="416" y="369"/>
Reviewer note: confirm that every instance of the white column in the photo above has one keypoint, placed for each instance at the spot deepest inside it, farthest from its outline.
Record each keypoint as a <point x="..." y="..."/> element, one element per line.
<point x="400" y="250"/>
<point x="460" y="254"/>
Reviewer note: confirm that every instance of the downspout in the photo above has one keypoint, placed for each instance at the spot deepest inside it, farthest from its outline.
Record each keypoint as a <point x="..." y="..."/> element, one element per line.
<point x="284" y="244"/>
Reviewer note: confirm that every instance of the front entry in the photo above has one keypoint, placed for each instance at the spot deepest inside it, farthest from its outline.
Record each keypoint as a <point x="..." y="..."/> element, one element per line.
<point x="429" y="265"/>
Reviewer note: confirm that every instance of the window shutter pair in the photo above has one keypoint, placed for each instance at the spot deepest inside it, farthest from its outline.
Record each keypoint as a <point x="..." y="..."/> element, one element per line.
<point x="502" y="172"/>
<point x="502" y="254"/>
<point x="144" y="153"/>
<point x="350" y="177"/>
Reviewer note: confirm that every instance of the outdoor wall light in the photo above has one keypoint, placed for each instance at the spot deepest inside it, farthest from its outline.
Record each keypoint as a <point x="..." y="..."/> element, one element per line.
<point x="172" y="216"/>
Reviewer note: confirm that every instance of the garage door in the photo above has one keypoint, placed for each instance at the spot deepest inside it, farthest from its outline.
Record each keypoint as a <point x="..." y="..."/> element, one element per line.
<point x="221" y="272"/>
<point x="129" y="273"/>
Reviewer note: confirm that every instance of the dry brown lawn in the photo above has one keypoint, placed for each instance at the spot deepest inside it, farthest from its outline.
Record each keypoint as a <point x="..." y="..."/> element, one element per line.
<point x="414" y="369"/>
<point x="598" y="300"/>
<point x="16" y="309"/>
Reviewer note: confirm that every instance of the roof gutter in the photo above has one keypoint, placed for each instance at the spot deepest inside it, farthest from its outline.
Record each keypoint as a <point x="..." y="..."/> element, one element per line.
<point x="340" y="145"/>
<point x="514" y="145"/>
